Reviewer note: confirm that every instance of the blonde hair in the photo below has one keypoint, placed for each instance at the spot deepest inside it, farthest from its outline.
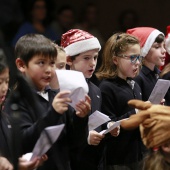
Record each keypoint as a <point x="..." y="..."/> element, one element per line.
<point x="115" y="46"/>
<point x="60" y="49"/>
<point x="155" y="161"/>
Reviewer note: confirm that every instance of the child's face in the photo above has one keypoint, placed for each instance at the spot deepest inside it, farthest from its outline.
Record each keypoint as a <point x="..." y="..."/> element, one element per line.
<point x="156" y="55"/>
<point x="4" y="81"/>
<point x="124" y="65"/>
<point x="40" y="71"/>
<point x="85" y="62"/>
<point x="61" y="61"/>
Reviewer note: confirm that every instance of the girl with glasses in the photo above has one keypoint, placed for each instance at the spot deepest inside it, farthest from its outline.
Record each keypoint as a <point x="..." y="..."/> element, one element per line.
<point x="121" y="62"/>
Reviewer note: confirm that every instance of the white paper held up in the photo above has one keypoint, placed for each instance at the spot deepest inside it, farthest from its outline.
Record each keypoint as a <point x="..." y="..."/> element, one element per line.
<point x="159" y="91"/>
<point x="48" y="136"/>
<point x="75" y="82"/>
<point x="116" y="124"/>
<point x="96" y="119"/>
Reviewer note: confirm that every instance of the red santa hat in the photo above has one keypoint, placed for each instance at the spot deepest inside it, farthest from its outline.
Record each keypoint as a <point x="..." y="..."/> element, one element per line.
<point x="167" y="40"/>
<point x="76" y="41"/>
<point x="146" y="36"/>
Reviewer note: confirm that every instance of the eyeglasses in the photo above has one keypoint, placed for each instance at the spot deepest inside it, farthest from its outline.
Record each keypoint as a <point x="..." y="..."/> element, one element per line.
<point x="133" y="58"/>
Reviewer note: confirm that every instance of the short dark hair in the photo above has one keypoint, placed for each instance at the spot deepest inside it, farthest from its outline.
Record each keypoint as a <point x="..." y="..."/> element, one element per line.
<point x="3" y="62"/>
<point x="30" y="45"/>
<point x="160" y="38"/>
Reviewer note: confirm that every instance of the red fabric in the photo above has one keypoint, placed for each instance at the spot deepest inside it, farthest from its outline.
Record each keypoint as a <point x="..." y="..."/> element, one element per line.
<point x="142" y="33"/>
<point x="167" y="58"/>
<point x="74" y="35"/>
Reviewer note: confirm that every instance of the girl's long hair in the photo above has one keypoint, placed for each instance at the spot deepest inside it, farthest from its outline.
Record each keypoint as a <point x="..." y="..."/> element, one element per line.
<point x="116" y="45"/>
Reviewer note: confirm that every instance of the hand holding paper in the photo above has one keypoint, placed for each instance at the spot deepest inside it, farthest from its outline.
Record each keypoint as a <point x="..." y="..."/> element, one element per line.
<point x="48" y="136"/>
<point x="75" y="82"/>
<point x="94" y="137"/>
<point x="96" y="119"/>
<point x="83" y="107"/>
<point x="159" y="91"/>
<point x="115" y="125"/>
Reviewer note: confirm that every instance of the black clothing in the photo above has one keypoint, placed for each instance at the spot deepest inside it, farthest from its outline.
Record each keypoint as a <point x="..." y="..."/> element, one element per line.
<point x="147" y="80"/>
<point x="127" y="147"/>
<point x="89" y="156"/>
<point x="167" y="96"/>
<point x="34" y="120"/>
<point x="5" y="138"/>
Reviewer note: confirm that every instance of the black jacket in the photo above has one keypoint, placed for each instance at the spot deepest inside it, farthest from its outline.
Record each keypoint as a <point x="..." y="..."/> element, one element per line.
<point x="35" y="114"/>
<point x="89" y="157"/>
<point x="147" y="80"/>
<point x="127" y="147"/>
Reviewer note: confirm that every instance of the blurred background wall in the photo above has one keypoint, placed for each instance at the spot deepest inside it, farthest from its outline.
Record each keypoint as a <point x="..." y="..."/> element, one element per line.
<point x="153" y="13"/>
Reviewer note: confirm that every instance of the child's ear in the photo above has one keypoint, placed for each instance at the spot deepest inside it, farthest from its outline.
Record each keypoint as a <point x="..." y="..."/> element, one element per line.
<point x="20" y="65"/>
<point x="69" y="60"/>
<point x="115" y="60"/>
<point x="166" y="147"/>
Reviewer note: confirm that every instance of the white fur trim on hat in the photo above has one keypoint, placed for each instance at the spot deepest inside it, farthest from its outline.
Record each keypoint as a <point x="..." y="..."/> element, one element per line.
<point x="149" y="42"/>
<point x="82" y="46"/>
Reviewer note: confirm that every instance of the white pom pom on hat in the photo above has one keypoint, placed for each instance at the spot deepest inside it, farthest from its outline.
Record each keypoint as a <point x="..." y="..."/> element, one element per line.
<point x="146" y="36"/>
<point x="76" y="41"/>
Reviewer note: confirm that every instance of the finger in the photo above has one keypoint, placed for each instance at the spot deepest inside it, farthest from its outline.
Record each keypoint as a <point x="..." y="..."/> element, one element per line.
<point x="88" y="99"/>
<point x="61" y="94"/>
<point x="64" y="100"/>
<point x="139" y="104"/>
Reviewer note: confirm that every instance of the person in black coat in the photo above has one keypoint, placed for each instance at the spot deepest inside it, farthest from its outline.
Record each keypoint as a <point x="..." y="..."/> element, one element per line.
<point x="82" y="51"/>
<point x="121" y="63"/>
<point x="39" y="106"/>
<point x="10" y="143"/>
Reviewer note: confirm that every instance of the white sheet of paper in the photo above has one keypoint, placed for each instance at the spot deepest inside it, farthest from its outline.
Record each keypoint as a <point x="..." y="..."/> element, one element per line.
<point x="27" y="156"/>
<point x="159" y="91"/>
<point x="45" y="141"/>
<point x="116" y="124"/>
<point x="96" y="119"/>
<point x="75" y="82"/>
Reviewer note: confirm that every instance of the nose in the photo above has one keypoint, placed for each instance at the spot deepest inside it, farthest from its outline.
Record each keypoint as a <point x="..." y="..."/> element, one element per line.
<point x="163" y="50"/>
<point x="49" y="69"/>
<point x="93" y="62"/>
<point x="138" y="61"/>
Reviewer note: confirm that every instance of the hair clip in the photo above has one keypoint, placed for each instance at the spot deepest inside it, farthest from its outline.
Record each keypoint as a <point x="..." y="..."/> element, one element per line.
<point x="118" y="37"/>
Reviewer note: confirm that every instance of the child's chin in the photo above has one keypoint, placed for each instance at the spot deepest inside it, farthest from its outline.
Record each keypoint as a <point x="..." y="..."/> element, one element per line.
<point x="88" y="77"/>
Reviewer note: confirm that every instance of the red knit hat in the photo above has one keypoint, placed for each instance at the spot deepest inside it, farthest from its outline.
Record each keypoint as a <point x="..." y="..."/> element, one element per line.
<point x="76" y="41"/>
<point x="167" y="40"/>
<point x="146" y="36"/>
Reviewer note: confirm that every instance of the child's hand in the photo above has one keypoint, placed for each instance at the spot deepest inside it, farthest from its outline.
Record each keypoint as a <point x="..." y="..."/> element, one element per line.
<point x="83" y="107"/>
<point x="94" y="138"/>
<point x="5" y="164"/>
<point x="162" y="102"/>
<point x="60" y="102"/>
<point x="31" y="165"/>
<point x="116" y="131"/>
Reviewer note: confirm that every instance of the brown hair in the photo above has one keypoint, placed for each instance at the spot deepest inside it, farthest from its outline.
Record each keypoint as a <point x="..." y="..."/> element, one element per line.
<point x="155" y="161"/>
<point x="115" y="46"/>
